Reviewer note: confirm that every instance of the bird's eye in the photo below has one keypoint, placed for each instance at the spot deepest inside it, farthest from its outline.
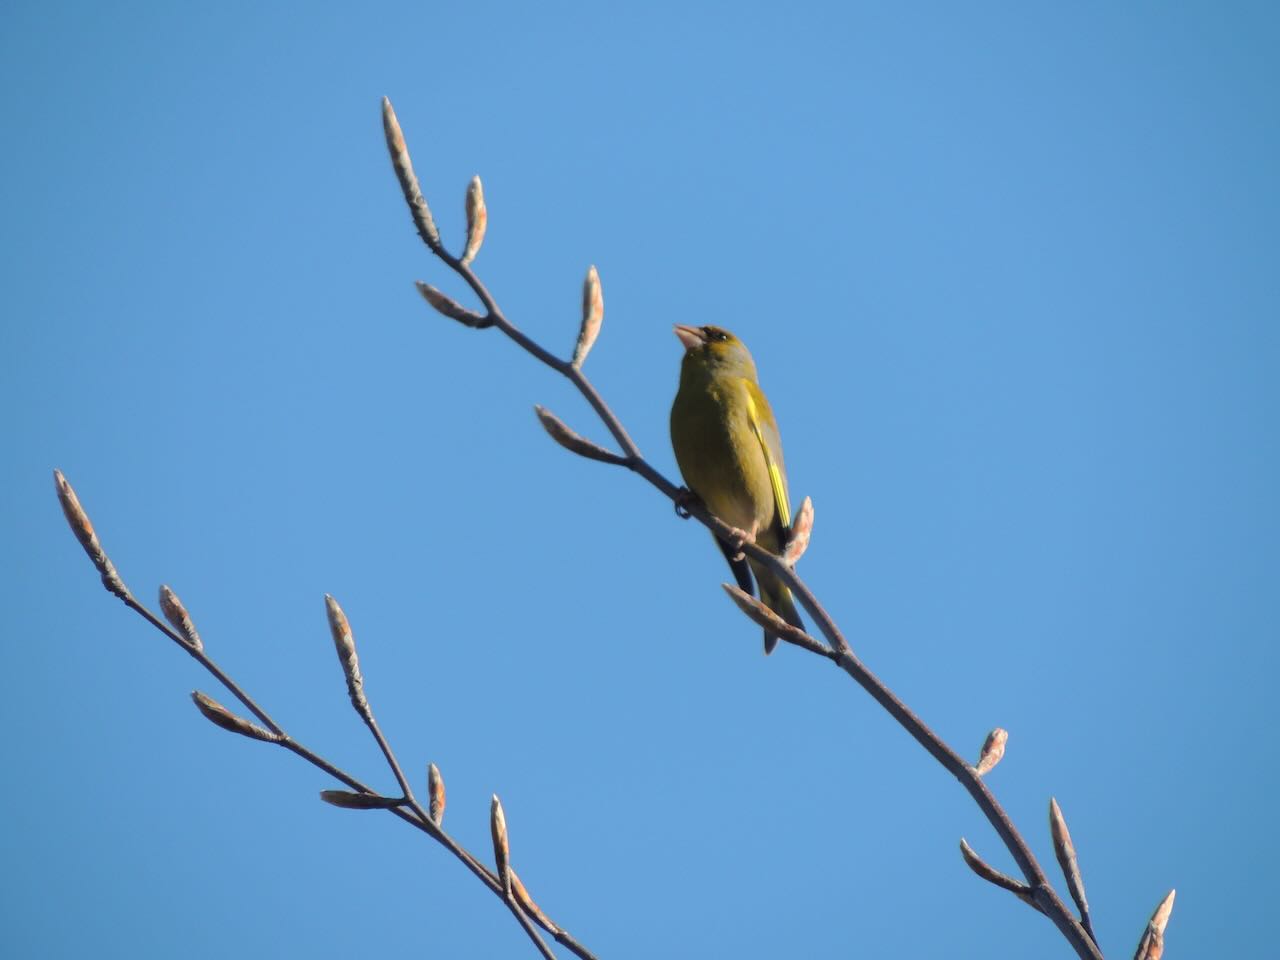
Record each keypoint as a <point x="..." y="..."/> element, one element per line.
<point x="718" y="335"/>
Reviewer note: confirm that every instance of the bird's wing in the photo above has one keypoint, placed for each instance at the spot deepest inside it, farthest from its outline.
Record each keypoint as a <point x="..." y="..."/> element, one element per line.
<point x="766" y="432"/>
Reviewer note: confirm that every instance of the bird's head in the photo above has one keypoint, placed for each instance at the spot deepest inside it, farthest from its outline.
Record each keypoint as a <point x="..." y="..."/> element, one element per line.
<point x="716" y="350"/>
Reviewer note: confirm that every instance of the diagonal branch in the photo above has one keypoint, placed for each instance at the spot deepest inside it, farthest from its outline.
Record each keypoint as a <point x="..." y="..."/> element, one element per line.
<point x="1041" y="893"/>
<point x="406" y="807"/>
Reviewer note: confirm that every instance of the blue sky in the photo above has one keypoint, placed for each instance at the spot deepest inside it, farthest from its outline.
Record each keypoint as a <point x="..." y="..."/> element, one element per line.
<point x="1011" y="277"/>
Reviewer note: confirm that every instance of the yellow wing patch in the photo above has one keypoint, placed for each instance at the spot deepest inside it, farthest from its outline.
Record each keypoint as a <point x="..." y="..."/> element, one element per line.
<point x="780" y="501"/>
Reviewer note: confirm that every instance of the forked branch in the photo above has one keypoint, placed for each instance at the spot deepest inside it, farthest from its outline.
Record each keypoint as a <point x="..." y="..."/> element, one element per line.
<point x="1035" y="889"/>
<point x="181" y="630"/>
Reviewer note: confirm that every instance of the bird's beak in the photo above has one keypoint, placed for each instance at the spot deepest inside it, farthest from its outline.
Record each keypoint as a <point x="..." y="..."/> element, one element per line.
<point x="690" y="336"/>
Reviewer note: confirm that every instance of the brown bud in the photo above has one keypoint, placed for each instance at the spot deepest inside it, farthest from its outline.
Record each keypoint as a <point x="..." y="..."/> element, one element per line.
<point x="344" y="642"/>
<point x="501" y="848"/>
<point x="1065" y="851"/>
<point x="76" y="517"/>
<point x="435" y="790"/>
<point x="992" y="750"/>
<point x="178" y="618"/>
<point x="571" y="441"/>
<point x="592" y="316"/>
<point x="349" y="800"/>
<point x="1160" y="918"/>
<point x="408" y="179"/>
<point x="450" y="307"/>
<point x="529" y="907"/>
<point x="770" y="621"/>
<point x="219" y="715"/>
<point x="992" y="875"/>
<point x="1151" y="946"/>
<point x="88" y="537"/>
<point x="477" y="219"/>
<point x="801" y="529"/>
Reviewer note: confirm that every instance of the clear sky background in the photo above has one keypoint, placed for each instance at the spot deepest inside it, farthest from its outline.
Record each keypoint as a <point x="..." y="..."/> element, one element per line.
<point x="1012" y="279"/>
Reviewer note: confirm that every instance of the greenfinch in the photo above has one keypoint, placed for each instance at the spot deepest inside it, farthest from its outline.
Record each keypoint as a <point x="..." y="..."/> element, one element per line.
<point x="730" y="454"/>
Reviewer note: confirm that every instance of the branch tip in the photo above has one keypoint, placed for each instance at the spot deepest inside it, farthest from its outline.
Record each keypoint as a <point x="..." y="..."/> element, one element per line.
<point x="994" y="876"/>
<point x="1151" y="946"/>
<point x="801" y="530"/>
<point x="178" y="618"/>
<point x="992" y="751"/>
<point x="435" y="793"/>
<point x="81" y="526"/>
<point x="350" y="800"/>
<point x="477" y="220"/>
<point x="1160" y="918"/>
<point x="399" y="151"/>
<point x="592" y="316"/>
<point x="448" y="307"/>
<point x="770" y="621"/>
<point x="220" y="716"/>
<point x="501" y="846"/>
<point x="573" y="442"/>
<point x="345" y="644"/>
<point x="1065" y="852"/>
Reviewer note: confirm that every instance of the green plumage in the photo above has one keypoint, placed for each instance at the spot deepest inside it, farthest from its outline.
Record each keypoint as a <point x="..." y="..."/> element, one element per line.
<point x="727" y="444"/>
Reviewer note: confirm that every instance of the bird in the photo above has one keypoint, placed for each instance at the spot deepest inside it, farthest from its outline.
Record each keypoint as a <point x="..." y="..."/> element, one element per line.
<point x="729" y="451"/>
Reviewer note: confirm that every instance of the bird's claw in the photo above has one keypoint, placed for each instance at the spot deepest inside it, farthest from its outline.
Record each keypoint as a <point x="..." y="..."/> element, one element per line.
<point x="685" y="498"/>
<point x="738" y="540"/>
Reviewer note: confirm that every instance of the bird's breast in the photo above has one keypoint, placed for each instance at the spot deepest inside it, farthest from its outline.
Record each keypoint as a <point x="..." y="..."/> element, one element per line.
<point x="718" y="454"/>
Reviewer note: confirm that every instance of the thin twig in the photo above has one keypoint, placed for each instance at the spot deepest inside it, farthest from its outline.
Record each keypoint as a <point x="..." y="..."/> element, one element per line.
<point x="1042" y="893"/>
<point x="1065" y="850"/>
<point x="529" y="928"/>
<point x="994" y="876"/>
<point x="345" y="643"/>
<point x="410" y="811"/>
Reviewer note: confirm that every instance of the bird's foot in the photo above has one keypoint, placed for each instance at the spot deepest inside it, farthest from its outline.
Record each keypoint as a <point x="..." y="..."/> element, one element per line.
<point x="686" y="498"/>
<point x="739" y="539"/>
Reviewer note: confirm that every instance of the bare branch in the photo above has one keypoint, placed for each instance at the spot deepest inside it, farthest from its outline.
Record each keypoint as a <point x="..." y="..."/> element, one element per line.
<point x="766" y="618"/>
<point x="502" y="857"/>
<point x="530" y="930"/>
<point x="345" y="643"/>
<point x="83" y="529"/>
<point x="992" y="875"/>
<point x="359" y="796"/>
<point x="1036" y="890"/>
<point x="1065" y="851"/>
<point x="573" y="442"/>
<point x="840" y="653"/>
<point x="529" y="907"/>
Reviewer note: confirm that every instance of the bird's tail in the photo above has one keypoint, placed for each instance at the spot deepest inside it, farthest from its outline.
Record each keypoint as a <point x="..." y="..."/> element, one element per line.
<point x="777" y="598"/>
